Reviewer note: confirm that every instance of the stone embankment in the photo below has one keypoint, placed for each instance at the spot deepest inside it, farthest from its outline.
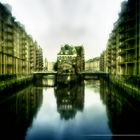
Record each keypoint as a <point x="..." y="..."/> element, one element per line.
<point x="8" y="82"/>
<point x="129" y="84"/>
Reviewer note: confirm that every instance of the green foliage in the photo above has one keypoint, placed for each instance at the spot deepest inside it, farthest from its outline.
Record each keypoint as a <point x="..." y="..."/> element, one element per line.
<point x="55" y="67"/>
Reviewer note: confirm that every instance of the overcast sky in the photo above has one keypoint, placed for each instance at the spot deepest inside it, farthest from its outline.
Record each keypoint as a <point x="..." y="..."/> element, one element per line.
<point x="53" y="23"/>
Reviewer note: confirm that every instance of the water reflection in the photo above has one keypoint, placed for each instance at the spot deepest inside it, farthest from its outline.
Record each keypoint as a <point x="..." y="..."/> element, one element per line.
<point x="48" y="81"/>
<point x="93" y="84"/>
<point x="122" y="109"/>
<point x="70" y="112"/>
<point x="17" y="112"/>
<point x="89" y="108"/>
<point x="70" y="99"/>
<point x="45" y="81"/>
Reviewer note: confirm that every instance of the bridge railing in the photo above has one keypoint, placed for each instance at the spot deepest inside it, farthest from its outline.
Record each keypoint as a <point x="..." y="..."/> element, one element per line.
<point x="39" y="72"/>
<point x="82" y="72"/>
<point x="99" y="72"/>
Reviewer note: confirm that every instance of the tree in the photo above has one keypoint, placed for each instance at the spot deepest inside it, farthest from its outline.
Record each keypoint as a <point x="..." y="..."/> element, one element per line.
<point x="55" y="67"/>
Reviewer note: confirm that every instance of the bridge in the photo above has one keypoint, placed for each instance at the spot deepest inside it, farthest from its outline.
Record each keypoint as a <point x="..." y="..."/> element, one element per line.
<point x="41" y="74"/>
<point x="93" y="74"/>
<point x="45" y="73"/>
<point x="84" y="74"/>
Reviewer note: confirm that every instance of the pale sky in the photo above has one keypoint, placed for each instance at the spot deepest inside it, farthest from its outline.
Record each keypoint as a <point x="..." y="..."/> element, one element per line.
<point x="53" y="23"/>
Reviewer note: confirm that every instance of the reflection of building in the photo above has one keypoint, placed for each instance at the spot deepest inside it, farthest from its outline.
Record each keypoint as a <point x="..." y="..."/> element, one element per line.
<point x="123" y="111"/>
<point x="70" y="59"/>
<point x="95" y="84"/>
<point x="123" y="48"/>
<point x="69" y="100"/>
<point x="92" y="64"/>
<point x="45" y="81"/>
<point x="17" y="113"/>
<point x="19" y="54"/>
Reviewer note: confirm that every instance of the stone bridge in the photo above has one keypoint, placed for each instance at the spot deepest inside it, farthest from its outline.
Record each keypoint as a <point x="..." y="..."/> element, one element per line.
<point x="84" y="74"/>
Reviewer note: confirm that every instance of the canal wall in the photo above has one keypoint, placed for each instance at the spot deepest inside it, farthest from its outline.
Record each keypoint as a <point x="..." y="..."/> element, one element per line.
<point x="121" y="82"/>
<point x="14" y="82"/>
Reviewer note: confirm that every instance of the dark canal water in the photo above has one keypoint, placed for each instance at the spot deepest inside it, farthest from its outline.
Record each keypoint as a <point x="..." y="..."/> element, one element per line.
<point x="92" y="109"/>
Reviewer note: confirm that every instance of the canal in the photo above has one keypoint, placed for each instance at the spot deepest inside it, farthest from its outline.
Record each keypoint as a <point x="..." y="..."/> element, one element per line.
<point x="91" y="109"/>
